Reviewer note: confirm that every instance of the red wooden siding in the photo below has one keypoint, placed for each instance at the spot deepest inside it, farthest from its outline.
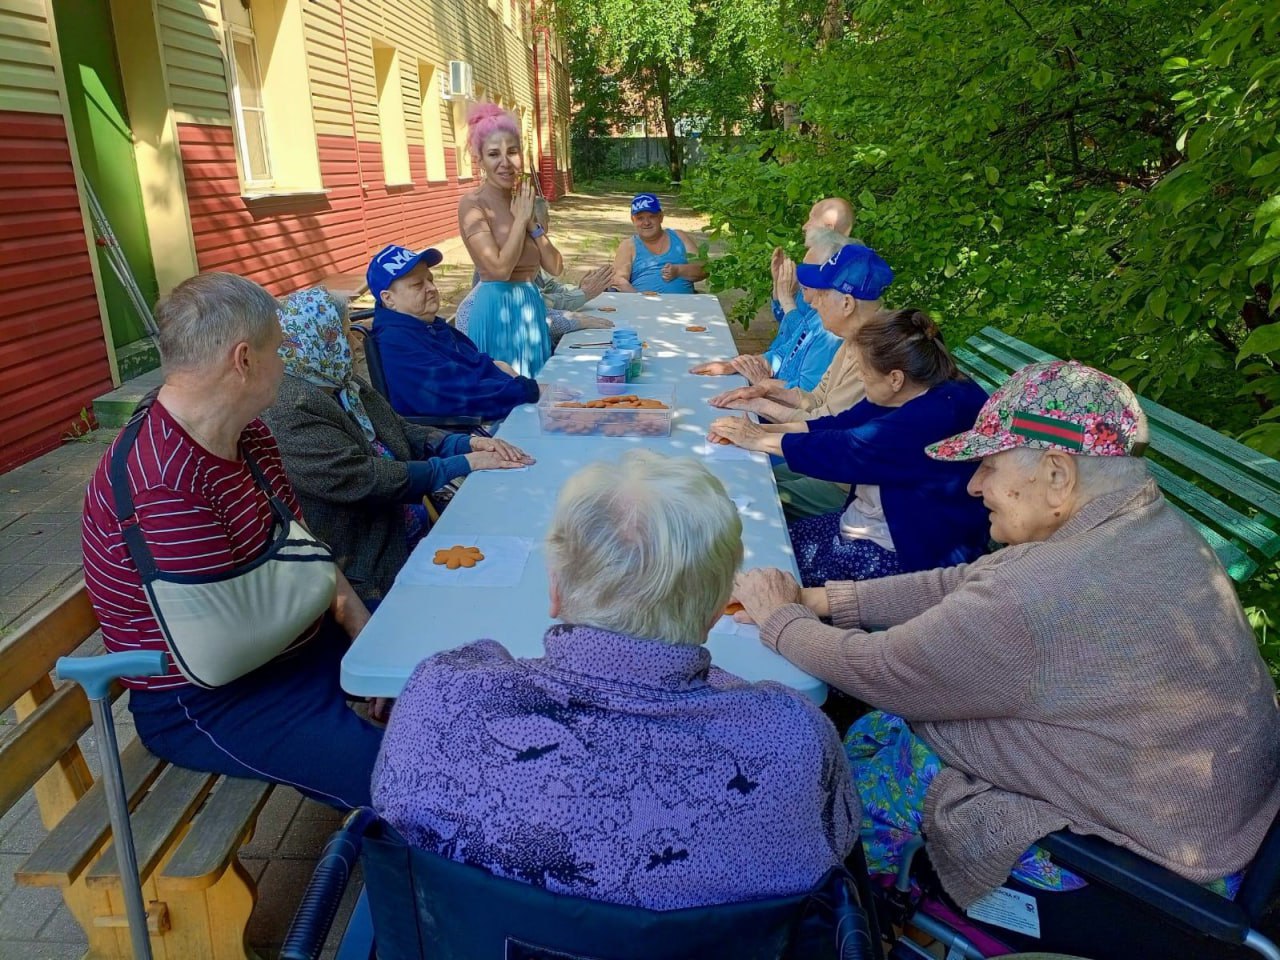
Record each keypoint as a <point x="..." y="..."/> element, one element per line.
<point x="291" y="242"/>
<point x="555" y="183"/>
<point x="53" y="357"/>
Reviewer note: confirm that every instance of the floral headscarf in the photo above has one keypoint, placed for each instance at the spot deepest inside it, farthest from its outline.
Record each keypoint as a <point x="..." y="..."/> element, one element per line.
<point x="316" y="350"/>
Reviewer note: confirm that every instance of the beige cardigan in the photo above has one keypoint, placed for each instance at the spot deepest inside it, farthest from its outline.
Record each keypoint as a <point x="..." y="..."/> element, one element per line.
<point x="838" y="390"/>
<point x="1105" y="680"/>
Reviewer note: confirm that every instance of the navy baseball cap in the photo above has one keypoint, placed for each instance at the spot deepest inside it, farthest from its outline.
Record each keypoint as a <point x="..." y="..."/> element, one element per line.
<point x="645" y="203"/>
<point x="854" y="269"/>
<point x="393" y="262"/>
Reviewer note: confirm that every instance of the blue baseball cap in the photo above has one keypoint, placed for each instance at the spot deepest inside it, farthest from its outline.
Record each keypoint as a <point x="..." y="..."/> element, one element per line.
<point x="393" y="262"/>
<point x="645" y="203"/>
<point x="854" y="269"/>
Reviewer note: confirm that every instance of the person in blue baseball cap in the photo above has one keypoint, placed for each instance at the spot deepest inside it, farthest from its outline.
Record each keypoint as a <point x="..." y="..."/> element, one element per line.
<point x="433" y="370"/>
<point x="846" y="290"/>
<point x="654" y="259"/>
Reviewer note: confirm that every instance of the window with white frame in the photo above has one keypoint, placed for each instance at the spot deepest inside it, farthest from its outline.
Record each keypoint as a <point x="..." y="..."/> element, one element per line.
<point x="266" y="61"/>
<point x="250" y="113"/>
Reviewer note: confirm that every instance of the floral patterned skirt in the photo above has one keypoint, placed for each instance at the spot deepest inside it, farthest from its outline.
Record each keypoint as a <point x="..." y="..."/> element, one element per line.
<point x="892" y="770"/>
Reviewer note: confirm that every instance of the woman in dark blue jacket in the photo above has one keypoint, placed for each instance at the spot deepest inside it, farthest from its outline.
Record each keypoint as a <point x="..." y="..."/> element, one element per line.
<point x="905" y="511"/>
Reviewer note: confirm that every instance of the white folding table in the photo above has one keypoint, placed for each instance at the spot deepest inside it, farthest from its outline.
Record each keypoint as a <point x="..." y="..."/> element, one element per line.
<point x="416" y="620"/>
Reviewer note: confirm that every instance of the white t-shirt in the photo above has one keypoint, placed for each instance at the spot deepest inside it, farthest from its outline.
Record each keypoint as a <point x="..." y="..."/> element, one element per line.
<point x="864" y="519"/>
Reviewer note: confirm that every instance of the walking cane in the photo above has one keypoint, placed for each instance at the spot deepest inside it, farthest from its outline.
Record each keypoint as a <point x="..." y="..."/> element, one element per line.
<point x="95" y="675"/>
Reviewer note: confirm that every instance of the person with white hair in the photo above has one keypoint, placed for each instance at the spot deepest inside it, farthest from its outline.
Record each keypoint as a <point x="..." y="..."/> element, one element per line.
<point x="802" y="349"/>
<point x="1097" y="674"/>
<point x="194" y="545"/>
<point x="621" y="765"/>
<point x="801" y="352"/>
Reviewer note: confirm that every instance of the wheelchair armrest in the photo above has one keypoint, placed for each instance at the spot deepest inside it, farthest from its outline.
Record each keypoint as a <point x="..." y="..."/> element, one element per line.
<point x="1182" y="900"/>
<point x="310" y="926"/>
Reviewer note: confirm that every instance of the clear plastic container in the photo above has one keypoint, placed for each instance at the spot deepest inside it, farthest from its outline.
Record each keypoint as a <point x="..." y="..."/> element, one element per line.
<point x="611" y="375"/>
<point x="639" y="412"/>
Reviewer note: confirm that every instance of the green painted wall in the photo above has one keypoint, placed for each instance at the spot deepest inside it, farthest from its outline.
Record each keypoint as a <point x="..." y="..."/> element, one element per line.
<point x="104" y="142"/>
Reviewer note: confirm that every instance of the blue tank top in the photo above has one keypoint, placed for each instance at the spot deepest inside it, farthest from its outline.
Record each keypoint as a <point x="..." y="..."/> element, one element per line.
<point x="646" y="268"/>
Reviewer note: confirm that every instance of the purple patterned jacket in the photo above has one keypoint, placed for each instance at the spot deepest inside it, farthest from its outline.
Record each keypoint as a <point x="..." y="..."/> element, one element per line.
<point x="617" y="769"/>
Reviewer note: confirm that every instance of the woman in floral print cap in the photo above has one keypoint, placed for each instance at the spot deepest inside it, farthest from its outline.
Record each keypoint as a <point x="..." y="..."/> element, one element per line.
<point x="1097" y="673"/>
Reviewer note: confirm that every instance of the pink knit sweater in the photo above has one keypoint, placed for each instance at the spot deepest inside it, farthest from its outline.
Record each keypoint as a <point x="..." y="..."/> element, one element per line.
<point x="1105" y="680"/>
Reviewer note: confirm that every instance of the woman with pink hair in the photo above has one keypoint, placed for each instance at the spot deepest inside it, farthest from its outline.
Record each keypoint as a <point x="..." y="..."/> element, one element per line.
<point x="507" y="244"/>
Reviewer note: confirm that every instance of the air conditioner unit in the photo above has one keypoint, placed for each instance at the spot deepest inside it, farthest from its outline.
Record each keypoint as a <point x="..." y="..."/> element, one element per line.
<point x="461" y="82"/>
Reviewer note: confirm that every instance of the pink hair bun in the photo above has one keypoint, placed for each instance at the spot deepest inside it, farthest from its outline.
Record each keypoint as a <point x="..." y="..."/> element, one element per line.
<point x="486" y="119"/>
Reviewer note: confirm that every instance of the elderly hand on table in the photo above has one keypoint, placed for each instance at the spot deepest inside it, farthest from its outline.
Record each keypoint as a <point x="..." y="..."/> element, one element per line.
<point x="755" y="368"/>
<point x="739" y="431"/>
<point x="587" y="321"/>
<point x="740" y="398"/>
<point x="489" y="453"/>
<point x="763" y="590"/>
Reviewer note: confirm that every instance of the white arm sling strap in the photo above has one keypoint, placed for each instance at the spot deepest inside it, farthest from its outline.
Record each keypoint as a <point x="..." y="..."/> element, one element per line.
<point x="221" y="626"/>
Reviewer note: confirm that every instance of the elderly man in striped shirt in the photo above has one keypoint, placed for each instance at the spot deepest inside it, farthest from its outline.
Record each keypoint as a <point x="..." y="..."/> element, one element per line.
<point x="209" y="496"/>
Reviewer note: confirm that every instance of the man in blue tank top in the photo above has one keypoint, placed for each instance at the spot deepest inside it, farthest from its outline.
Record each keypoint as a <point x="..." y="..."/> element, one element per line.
<point x="655" y="260"/>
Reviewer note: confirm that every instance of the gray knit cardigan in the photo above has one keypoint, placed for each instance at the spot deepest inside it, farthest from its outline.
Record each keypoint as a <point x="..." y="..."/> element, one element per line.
<point x="351" y="497"/>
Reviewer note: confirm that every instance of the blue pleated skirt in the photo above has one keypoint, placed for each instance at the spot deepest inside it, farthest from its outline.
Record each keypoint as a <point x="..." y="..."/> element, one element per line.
<point x="509" y="323"/>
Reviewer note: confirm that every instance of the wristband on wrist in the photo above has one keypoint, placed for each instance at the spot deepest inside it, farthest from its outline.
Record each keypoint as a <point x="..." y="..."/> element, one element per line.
<point x="537" y="232"/>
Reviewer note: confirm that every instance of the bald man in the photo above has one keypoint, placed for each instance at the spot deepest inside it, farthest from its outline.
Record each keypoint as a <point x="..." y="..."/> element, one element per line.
<point x="802" y="350"/>
<point x="833" y="213"/>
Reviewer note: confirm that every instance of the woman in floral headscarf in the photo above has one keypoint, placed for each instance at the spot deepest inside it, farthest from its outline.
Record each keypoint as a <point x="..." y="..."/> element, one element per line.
<point x="359" y="468"/>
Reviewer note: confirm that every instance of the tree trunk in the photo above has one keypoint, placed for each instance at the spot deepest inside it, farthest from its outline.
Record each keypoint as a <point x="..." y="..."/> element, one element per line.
<point x="669" y="122"/>
<point x="832" y="22"/>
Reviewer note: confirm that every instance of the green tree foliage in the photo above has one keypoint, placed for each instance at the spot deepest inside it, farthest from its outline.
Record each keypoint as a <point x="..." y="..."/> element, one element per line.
<point x="709" y="62"/>
<point x="1101" y="178"/>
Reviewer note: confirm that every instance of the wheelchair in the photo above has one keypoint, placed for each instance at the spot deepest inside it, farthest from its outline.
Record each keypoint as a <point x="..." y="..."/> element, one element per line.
<point x="417" y="904"/>
<point x="1131" y="909"/>
<point x="378" y="380"/>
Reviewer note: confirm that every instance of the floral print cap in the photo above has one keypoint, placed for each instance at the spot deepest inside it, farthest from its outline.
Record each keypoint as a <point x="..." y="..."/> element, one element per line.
<point x="1062" y="405"/>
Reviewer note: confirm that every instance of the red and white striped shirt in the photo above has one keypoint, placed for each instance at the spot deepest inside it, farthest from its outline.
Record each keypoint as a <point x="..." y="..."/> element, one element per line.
<point x="199" y="514"/>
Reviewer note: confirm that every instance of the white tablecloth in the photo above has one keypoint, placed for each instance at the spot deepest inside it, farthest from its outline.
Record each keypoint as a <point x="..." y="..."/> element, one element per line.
<point x="416" y="620"/>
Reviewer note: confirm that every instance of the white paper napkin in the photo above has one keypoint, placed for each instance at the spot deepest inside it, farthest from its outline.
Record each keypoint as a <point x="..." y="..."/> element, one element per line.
<point x="502" y="566"/>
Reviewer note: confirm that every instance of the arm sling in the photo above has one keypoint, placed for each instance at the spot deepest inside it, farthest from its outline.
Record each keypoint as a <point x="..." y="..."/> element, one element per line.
<point x="220" y="626"/>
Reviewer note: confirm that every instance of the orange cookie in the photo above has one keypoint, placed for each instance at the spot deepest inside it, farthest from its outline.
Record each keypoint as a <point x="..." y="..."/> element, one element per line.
<point x="458" y="556"/>
<point x="733" y="607"/>
<point x="696" y="329"/>
<point x="723" y="441"/>
<point x="607" y="309"/>
<point x="649" y="293"/>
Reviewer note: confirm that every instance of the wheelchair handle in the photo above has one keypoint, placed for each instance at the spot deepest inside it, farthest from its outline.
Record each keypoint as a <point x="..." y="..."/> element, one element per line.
<point x="95" y="674"/>
<point x="314" y="917"/>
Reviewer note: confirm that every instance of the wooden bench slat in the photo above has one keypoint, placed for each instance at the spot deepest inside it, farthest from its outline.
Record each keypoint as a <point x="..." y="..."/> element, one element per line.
<point x="1213" y="465"/>
<point x="66" y="851"/>
<point x="987" y="375"/>
<point x="29" y="652"/>
<point x="1258" y="467"/>
<point x="1222" y="474"/>
<point x="1264" y="469"/>
<point x="156" y="820"/>
<point x="37" y="742"/>
<point x="211" y="844"/>
<point x="1229" y="522"/>
<point x="1026" y="352"/>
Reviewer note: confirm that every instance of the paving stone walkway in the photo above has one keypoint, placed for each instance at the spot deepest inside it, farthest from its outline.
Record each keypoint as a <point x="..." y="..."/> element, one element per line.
<point x="40" y="504"/>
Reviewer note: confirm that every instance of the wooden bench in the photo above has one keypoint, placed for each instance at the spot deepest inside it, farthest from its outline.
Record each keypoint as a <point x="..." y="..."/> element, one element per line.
<point x="1230" y="492"/>
<point x="187" y="826"/>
